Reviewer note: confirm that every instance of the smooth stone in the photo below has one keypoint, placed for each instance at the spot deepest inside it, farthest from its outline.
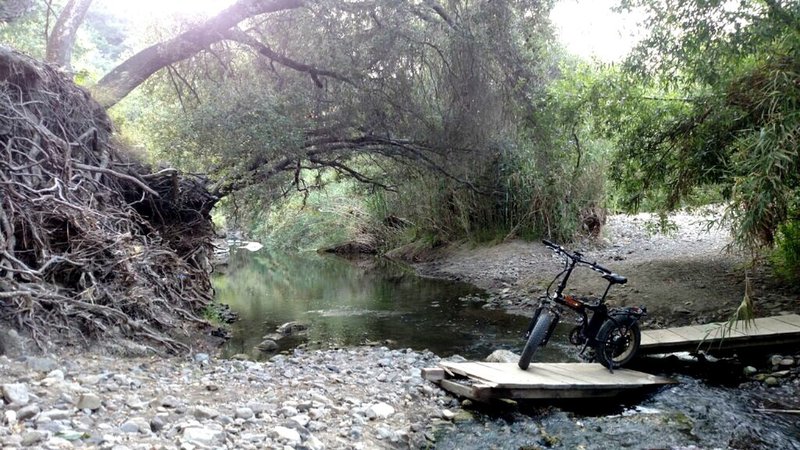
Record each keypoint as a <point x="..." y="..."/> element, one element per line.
<point x="29" y="438"/>
<point x="380" y="410"/>
<point x="289" y="434"/>
<point x="204" y="436"/>
<point x="28" y="412"/>
<point x="56" y="414"/>
<point x="204" y="412"/>
<point x="301" y="419"/>
<point x="16" y="393"/>
<point x="136" y="425"/>
<point x="750" y="371"/>
<point x="771" y="381"/>
<point x="787" y="362"/>
<point x="89" y="401"/>
<point x="244" y="413"/>
<point x="775" y="360"/>
<point x="157" y="424"/>
<point x="502" y="356"/>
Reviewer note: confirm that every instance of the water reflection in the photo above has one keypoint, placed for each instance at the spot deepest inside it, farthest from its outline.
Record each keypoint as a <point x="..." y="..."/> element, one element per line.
<point x="353" y="303"/>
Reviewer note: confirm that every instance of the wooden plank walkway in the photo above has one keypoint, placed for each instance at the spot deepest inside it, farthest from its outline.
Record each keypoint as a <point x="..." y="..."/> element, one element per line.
<point x="484" y="381"/>
<point x="767" y="331"/>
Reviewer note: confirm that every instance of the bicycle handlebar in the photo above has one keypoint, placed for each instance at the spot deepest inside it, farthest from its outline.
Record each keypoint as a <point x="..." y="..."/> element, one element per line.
<point x="576" y="257"/>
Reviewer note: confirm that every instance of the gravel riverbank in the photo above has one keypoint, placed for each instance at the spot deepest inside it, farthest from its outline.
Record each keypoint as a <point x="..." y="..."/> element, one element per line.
<point x="349" y="398"/>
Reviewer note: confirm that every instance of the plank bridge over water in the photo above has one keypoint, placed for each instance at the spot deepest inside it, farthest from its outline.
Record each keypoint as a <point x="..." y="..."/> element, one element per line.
<point x="484" y="381"/>
<point x="767" y="331"/>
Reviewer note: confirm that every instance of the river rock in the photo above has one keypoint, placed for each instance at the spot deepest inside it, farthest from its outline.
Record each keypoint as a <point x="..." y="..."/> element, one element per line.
<point x="244" y="413"/>
<point x="203" y="436"/>
<point x="502" y="356"/>
<point x="380" y="410"/>
<point x="267" y="346"/>
<point x="775" y="360"/>
<point x="30" y="438"/>
<point x="205" y="412"/>
<point x="28" y="412"/>
<point x="90" y="401"/>
<point x="292" y="328"/>
<point x="56" y="414"/>
<point x="16" y="393"/>
<point x="10" y="418"/>
<point x="749" y="371"/>
<point x="787" y="362"/>
<point x="290" y="435"/>
<point x="771" y="381"/>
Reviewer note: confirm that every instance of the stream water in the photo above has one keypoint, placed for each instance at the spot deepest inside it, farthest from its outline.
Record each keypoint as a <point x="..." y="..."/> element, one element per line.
<point x="346" y="303"/>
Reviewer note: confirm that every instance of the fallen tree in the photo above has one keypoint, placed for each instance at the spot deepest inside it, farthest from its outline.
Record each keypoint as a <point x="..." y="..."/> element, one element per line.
<point x="92" y="242"/>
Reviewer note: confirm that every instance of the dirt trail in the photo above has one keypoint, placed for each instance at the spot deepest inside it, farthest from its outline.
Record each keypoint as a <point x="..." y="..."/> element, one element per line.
<point x="683" y="277"/>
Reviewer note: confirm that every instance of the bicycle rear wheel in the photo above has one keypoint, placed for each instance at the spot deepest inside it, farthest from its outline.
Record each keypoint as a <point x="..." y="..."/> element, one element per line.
<point x="535" y="339"/>
<point x="617" y="342"/>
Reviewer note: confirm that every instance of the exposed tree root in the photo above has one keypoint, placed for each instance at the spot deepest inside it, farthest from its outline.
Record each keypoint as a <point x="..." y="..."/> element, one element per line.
<point x="91" y="243"/>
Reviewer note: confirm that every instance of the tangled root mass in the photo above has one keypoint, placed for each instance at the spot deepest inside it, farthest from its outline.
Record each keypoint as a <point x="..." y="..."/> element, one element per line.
<point x="92" y="242"/>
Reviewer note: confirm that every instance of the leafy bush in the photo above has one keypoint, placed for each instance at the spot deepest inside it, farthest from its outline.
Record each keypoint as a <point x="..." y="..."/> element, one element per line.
<point x="786" y="257"/>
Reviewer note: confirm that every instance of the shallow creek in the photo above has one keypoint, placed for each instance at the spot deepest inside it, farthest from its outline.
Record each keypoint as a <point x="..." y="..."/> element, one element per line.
<point x="347" y="303"/>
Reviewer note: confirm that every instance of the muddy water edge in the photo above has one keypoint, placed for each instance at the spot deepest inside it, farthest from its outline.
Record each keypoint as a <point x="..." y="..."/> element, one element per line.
<point x="340" y="303"/>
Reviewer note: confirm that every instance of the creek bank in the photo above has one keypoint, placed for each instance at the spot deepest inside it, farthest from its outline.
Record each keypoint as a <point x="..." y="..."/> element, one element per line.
<point x="347" y="398"/>
<point x="690" y="275"/>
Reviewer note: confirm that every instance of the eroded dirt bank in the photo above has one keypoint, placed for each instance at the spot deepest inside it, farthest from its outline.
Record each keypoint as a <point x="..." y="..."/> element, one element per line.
<point x="688" y="275"/>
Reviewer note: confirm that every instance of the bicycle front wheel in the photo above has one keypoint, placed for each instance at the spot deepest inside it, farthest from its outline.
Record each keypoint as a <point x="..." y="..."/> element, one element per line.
<point x="536" y="338"/>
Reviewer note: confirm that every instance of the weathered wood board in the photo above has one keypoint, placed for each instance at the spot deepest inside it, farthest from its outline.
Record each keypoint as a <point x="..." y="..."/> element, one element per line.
<point x="484" y="381"/>
<point x="777" y="330"/>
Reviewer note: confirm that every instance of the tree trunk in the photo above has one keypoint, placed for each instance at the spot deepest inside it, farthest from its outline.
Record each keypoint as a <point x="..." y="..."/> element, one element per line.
<point x="118" y="83"/>
<point x="62" y="38"/>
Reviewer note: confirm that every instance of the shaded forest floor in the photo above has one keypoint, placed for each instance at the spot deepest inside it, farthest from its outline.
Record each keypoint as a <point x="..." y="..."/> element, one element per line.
<point x="686" y="276"/>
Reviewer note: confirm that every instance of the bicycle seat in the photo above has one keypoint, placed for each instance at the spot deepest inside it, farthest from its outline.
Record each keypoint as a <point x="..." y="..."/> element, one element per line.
<point x="615" y="278"/>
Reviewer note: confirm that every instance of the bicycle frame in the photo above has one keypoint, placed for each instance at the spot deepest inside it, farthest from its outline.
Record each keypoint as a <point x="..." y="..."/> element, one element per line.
<point x="586" y="332"/>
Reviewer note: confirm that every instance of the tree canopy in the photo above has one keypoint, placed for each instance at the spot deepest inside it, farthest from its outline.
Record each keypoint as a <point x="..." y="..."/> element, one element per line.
<point x="712" y="98"/>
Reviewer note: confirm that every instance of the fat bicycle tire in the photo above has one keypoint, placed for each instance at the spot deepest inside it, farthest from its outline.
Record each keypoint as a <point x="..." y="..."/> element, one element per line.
<point x="617" y="342"/>
<point x="535" y="339"/>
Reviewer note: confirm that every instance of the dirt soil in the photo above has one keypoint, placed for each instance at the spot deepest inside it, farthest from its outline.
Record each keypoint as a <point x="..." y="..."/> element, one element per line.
<point x="686" y="276"/>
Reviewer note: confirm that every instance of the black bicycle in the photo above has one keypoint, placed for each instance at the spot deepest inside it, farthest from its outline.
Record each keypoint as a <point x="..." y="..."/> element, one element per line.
<point x="610" y="336"/>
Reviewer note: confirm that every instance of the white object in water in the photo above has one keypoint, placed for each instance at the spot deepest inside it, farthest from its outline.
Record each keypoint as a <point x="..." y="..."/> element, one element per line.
<point x="252" y="246"/>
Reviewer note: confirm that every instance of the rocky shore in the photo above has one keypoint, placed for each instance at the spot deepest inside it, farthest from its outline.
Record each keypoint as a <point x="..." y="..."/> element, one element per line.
<point x="347" y="398"/>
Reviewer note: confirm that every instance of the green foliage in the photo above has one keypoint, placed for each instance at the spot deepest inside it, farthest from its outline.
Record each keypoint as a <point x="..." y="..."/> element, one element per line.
<point x="712" y="99"/>
<point x="786" y="257"/>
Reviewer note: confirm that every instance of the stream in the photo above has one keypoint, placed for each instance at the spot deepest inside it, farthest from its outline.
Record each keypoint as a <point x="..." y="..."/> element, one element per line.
<point x="378" y="302"/>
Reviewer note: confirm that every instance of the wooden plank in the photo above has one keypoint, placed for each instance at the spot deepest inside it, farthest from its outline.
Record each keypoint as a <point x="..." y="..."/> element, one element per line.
<point x="769" y="325"/>
<point x="433" y="373"/>
<point x="656" y="337"/>
<point x="489" y="381"/>
<point x="553" y="375"/>
<point x="792" y="319"/>
<point x="509" y="374"/>
<point x="556" y="394"/>
<point x="716" y="336"/>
